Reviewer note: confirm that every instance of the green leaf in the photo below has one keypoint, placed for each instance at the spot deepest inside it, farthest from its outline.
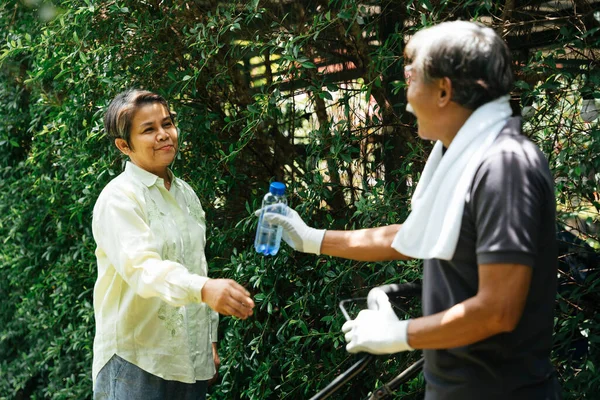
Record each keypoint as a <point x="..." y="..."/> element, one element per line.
<point x="345" y="15"/>
<point x="325" y="95"/>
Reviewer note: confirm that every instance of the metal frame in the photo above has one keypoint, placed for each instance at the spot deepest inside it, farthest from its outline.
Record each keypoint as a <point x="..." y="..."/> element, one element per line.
<point x="394" y="292"/>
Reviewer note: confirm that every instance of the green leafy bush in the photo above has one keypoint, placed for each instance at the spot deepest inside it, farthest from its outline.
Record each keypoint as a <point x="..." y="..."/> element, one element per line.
<point x="310" y="93"/>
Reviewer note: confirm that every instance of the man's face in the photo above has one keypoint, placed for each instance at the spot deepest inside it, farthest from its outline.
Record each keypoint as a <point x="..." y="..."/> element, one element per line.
<point x="422" y="102"/>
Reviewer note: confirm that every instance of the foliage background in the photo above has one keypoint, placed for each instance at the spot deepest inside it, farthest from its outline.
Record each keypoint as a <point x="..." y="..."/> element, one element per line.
<point x="308" y="92"/>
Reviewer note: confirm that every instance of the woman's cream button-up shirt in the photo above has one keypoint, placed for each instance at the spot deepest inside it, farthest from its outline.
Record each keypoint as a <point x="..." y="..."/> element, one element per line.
<point x="151" y="270"/>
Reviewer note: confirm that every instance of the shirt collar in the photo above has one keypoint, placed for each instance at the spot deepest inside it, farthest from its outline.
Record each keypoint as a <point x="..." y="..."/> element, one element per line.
<point x="147" y="178"/>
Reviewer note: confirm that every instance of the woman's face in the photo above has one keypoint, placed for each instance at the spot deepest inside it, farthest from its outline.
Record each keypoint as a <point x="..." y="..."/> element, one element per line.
<point x="153" y="139"/>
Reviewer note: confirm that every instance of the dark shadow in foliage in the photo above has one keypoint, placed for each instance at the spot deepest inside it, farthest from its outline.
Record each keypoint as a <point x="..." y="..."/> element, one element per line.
<point x="578" y="266"/>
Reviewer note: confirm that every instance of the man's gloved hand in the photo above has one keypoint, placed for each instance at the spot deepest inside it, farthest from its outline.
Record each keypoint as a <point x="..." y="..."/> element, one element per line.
<point x="296" y="233"/>
<point x="377" y="330"/>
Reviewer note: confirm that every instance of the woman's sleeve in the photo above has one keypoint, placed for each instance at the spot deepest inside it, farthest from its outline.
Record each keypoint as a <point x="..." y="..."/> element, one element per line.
<point x="214" y="316"/>
<point x="124" y="237"/>
<point x="197" y="206"/>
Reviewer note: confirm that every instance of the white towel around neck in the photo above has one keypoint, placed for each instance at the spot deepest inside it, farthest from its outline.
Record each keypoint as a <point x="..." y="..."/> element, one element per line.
<point x="433" y="226"/>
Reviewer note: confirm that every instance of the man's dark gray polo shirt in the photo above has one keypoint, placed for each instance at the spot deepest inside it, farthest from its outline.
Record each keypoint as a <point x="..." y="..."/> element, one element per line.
<point x="509" y="217"/>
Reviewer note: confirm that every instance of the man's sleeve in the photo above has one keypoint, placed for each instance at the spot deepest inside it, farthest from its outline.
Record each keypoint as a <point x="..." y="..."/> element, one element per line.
<point x="507" y="201"/>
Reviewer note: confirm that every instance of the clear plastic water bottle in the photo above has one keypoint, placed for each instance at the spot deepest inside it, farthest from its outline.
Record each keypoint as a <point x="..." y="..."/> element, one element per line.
<point x="268" y="236"/>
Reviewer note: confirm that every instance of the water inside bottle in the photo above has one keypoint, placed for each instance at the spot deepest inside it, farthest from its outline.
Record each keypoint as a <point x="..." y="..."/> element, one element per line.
<point x="268" y="236"/>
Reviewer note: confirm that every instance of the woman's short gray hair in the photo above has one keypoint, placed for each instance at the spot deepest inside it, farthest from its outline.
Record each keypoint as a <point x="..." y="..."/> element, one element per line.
<point x="473" y="56"/>
<point x="120" y="112"/>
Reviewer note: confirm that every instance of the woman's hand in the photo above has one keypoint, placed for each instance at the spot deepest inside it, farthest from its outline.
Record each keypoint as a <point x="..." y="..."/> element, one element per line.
<point x="227" y="297"/>
<point x="217" y="361"/>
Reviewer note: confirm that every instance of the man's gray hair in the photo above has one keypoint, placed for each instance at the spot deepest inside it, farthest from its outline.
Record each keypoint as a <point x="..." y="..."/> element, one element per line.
<point x="473" y="56"/>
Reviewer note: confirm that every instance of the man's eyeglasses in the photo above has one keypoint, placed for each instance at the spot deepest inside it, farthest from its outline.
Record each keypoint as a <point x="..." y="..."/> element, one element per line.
<point x="408" y="74"/>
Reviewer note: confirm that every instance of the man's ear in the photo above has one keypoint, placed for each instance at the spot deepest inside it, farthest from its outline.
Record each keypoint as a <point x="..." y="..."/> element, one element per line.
<point x="122" y="146"/>
<point x="445" y="91"/>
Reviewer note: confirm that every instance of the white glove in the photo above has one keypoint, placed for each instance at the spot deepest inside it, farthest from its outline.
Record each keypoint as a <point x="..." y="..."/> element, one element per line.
<point x="377" y="330"/>
<point x="296" y="233"/>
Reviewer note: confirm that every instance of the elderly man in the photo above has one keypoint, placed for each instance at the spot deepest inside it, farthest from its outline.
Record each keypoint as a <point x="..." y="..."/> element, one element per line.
<point x="482" y="219"/>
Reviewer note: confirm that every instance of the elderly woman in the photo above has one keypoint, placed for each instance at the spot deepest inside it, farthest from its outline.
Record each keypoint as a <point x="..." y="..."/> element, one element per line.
<point x="155" y="307"/>
<point x="482" y="220"/>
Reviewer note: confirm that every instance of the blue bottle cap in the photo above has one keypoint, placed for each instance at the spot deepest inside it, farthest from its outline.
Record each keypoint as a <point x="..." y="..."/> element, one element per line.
<point x="277" y="188"/>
